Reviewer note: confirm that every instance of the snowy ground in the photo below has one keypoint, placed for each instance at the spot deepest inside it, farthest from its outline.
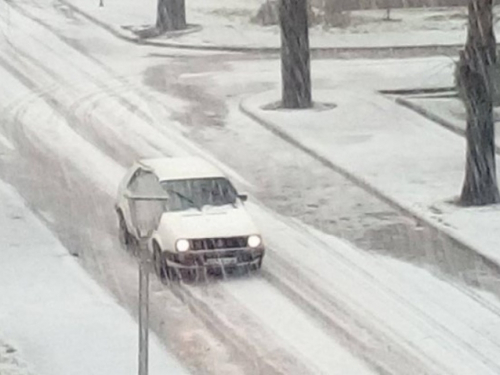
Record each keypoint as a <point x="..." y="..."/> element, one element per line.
<point x="320" y="305"/>
<point x="10" y="361"/>
<point x="367" y="149"/>
<point x="228" y="23"/>
<point x="449" y="109"/>
<point x="56" y="315"/>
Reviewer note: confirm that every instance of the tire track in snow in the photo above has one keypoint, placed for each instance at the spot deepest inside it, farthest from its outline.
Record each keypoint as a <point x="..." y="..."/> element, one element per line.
<point x="143" y="96"/>
<point x="227" y="309"/>
<point x="391" y="288"/>
<point x="106" y="268"/>
<point x="288" y="371"/>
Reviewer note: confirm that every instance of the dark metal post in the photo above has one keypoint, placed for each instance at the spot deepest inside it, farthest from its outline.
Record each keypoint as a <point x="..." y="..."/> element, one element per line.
<point x="143" y="308"/>
<point x="145" y="221"/>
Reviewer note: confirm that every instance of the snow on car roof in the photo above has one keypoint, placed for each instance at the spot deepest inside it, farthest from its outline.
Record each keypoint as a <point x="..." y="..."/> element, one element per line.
<point x="181" y="168"/>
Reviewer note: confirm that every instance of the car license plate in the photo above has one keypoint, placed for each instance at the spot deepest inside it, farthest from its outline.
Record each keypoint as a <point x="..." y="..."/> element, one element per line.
<point x="221" y="261"/>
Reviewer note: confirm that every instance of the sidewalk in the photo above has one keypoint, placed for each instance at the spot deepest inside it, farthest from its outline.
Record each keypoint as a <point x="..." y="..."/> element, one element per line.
<point x="53" y="314"/>
<point x="222" y="25"/>
<point x="397" y="154"/>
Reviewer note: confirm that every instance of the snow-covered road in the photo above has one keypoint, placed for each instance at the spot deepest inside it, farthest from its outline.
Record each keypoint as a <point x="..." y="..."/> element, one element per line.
<point x="78" y="106"/>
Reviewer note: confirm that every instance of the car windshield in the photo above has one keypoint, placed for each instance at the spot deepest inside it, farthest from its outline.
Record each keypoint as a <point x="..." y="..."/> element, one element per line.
<point x="197" y="193"/>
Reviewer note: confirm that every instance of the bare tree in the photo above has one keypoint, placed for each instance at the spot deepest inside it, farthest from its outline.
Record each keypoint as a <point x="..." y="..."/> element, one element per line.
<point x="474" y="73"/>
<point x="295" y="59"/>
<point x="171" y="15"/>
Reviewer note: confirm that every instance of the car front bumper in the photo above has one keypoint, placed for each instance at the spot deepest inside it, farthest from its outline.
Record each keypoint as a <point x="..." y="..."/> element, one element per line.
<point x="215" y="259"/>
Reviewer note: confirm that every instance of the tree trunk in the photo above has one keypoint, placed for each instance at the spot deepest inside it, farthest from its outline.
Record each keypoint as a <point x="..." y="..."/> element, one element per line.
<point x="480" y="48"/>
<point x="171" y="15"/>
<point x="480" y="185"/>
<point x="295" y="60"/>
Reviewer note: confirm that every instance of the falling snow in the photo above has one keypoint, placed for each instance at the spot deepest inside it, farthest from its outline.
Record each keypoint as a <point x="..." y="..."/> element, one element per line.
<point x="371" y="266"/>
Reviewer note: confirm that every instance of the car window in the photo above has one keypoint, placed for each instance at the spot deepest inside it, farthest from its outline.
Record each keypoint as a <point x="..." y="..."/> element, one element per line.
<point x="197" y="193"/>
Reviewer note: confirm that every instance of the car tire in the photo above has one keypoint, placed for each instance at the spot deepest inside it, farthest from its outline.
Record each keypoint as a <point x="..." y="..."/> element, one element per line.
<point x="160" y="266"/>
<point x="123" y="234"/>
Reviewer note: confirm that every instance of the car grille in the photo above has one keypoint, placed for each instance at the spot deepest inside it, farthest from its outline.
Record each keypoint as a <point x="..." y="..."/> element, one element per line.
<point x="218" y="243"/>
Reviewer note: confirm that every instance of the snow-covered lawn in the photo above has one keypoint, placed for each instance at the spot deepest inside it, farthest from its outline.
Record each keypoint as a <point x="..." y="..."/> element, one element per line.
<point x="228" y="23"/>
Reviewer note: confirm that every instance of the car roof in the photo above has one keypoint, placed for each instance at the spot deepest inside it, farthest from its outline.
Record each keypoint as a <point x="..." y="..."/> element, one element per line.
<point x="181" y="168"/>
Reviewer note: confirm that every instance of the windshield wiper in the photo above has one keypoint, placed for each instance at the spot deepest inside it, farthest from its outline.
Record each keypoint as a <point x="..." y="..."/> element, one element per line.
<point x="182" y="196"/>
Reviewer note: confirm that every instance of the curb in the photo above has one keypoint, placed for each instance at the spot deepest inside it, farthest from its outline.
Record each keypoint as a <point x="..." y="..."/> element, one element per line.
<point x="115" y="31"/>
<point x="317" y="52"/>
<point x="190" y="29"/>
<point x="435" y="118"/>
<point x="359" y="181"/>
<point x="431" y="116"/>
<point x="423" y="91"/>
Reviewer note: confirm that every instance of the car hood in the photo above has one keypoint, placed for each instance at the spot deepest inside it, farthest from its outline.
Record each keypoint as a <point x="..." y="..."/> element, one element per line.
<point x="208" y="223"/>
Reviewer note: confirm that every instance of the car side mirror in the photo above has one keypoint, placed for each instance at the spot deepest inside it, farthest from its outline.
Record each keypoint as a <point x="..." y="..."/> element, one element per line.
<point x="243" y="197"/>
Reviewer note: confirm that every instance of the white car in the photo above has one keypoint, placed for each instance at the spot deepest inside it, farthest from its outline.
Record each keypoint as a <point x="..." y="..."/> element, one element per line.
<point x="199" y="220"/>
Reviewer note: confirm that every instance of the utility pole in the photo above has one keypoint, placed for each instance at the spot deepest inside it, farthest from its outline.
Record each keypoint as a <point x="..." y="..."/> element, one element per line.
<point x="145" y="211"/>
<point x="143" y="307"/>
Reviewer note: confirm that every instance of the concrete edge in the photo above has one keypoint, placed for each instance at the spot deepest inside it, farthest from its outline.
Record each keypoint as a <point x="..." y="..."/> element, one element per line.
<point x="359" y="181"/>
<point x="430" y="116"/>
<point x="116" y="31"/>
<point x="435" y="118"/>
<point x="423" y="91"/>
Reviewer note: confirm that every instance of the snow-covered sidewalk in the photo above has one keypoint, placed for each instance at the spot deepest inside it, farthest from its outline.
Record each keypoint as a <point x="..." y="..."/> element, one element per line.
<point x="399" y="154"/>
<point x="448" y="111"/>
<point x="228" y="24"/>
<point x="54" y="314"/>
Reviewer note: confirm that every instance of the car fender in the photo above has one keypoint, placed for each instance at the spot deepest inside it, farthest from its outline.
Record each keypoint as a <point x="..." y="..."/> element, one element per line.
<point x="157" y="238"/>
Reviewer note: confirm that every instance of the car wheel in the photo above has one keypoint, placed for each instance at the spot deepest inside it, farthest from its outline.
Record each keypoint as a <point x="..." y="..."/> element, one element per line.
<point x="188" y="276"/>
<point x="161" y="268"/>
<point x="124" y="235"/>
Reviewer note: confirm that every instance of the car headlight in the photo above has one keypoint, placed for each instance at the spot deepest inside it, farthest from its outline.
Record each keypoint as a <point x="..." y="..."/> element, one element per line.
<point x="254" y="241"/>
<point x="182" y="245"/>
